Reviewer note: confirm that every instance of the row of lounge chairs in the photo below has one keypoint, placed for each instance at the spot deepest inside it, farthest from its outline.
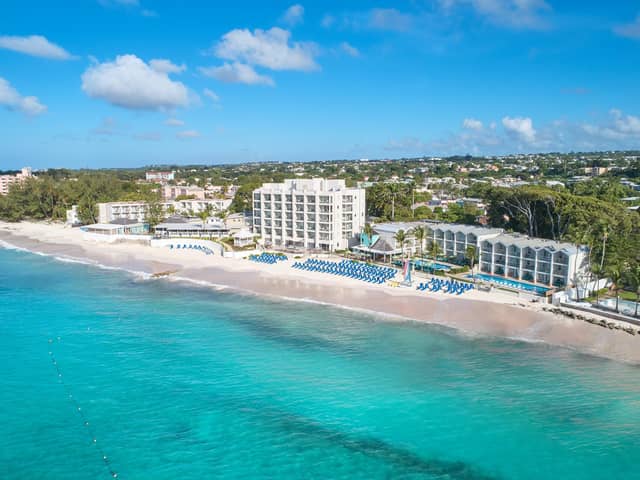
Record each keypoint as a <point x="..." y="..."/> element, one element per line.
<point x="349" y="268"/>
<point x="185" y="246"/>
<point x="267" y="258"/>
<point x="445" y="286"/>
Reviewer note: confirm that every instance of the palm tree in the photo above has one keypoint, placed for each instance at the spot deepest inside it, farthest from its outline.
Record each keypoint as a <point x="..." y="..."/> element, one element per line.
<point x="419" y="234"/>
<point x="615" y="275"/>
<point x="434" y="250"/>
<point x="597" y="272"/>
<point x="605" y="235"/>
<point x="470" y="254"/>
<point x="368" y="231"/>
<point x="401" y="237"/>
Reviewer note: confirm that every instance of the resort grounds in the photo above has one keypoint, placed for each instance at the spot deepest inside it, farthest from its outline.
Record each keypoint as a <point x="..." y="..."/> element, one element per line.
<point x="495" y="313"/>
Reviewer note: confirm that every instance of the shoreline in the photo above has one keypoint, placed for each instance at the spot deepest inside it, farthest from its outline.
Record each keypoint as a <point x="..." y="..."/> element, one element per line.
<point x="495" y="314"/>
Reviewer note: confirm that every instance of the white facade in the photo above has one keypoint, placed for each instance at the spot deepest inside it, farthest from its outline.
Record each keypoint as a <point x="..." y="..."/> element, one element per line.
<point x="518" y="257"/>
<point x="7" y="180"/>
<point x="309" y="213"/>
<point x="161" y="177"/>
<point x="535" y="260"/>
<point x="108" y="212"/>
<point x="72" y="216"/>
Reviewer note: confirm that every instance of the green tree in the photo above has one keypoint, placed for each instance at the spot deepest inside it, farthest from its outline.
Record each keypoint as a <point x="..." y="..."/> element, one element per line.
<point x="470" y="254"/>
<point x="401" y="238"/>
<point x="615" y="273"/>
<point x="420" y="233"/>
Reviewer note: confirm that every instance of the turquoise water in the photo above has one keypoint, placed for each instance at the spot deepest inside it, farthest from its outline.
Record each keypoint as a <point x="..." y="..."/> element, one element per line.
<point x="180" y="382"/>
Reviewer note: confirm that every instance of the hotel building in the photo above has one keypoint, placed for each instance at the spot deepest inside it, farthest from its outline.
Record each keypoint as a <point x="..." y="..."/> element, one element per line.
<point x="111" y="211"/>
<point x="159" y="177"/>
<point x="517" y="257"/>
<point x="7" y="180"/>
<point x="309" y="213"/>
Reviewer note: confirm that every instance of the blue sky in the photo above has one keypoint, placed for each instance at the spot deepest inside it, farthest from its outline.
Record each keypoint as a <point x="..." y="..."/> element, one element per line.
<point x="112" y="83"/>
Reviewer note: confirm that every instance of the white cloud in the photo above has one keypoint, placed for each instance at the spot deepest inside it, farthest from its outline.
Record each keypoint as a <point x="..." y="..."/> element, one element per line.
<point x="618" y="127"/>
<point x="629" y="30"/>
<point x="390" y="19"/>
<point x="174" y="122"/>
<point x="211" y="94"/>
<point x="237" y="73"/>
<point x="148" y="13"/>
<point x="328" y="20"/>
<point x="162" y="65"/>
<point x="522" y="127"/>
<point x="188" y="134"/>
<point x="12" y="100"/>
<point x="35" y="45"/>
<point x="472" y="124"/>
<point x="267" y="48"/>
<point x="293" y="15"/>
<point x="519" y="14"/>
<point x="349" y="49"/>
<point x="130" y="83"/>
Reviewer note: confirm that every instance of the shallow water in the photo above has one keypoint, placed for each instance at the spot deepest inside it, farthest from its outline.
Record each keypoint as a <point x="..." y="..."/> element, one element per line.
<point x="184" y="382"/>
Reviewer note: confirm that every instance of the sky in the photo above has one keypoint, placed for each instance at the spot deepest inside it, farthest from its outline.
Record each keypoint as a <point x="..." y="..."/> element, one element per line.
<point x="117" y="83"/>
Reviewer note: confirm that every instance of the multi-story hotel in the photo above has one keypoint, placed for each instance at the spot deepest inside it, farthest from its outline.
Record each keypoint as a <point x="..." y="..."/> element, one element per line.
<point x="7" y="180"/>
<point x="518" y="257"/>
<point x="309" y="213"/>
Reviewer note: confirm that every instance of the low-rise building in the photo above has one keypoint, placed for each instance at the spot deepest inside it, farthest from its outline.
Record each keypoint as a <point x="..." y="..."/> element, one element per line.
<point x="108" y="212"/>
<point x="159" y="176"/>
<point x="171" y="192"/>
<point x="181" y="228"/>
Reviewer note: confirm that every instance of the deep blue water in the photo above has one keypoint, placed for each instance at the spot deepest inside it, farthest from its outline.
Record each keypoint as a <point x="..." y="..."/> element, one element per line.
<point x="179" y="382"/>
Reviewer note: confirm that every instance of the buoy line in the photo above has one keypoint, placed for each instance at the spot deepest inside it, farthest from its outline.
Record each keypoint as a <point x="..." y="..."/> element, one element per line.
<point x="80" y="412"/>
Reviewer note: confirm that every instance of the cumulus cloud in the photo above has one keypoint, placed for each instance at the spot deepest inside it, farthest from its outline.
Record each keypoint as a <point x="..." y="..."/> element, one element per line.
<point x="12" y="100"/>
<point x="174" y="122"/>
<point x="35" y="45"/>
<point x="349" y="49"/>
<point x="211" y="94"/>
<point x="267" y="48"/>
<point x="162" y="65"/>
<point x="237" y="73"/>
<point x="293" y="15"/>
<point x="629" y="30"/>
<point x="520" y="14"/>
<point x="619" y="126"/>
<point x="188" y="134"/>
<point x="129" y="82"/>
<point x="522" y="127"/>
<point x="472" y="124"/>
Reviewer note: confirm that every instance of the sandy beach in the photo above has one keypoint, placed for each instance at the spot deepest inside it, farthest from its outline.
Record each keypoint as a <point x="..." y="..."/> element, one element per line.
<point x="476" y="313"/>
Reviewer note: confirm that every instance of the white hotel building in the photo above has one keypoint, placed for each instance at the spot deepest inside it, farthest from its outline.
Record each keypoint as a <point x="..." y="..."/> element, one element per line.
<point x="309" y="213"/>
<point x="516" y="257"/>
<point x="113" y="211"/>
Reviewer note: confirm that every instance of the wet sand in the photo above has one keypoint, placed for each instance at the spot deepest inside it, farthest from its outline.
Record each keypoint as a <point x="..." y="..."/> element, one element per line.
<point x="477" y="313"/>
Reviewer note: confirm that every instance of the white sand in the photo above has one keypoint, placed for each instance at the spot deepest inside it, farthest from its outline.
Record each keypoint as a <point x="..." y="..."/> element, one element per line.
<point x="497" y="313"/>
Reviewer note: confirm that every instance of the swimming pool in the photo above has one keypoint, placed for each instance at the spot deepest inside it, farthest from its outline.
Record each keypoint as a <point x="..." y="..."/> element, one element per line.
<point x="624" y="306"/>
<point x="431" y="265"/>
<point x="511" y="283"/>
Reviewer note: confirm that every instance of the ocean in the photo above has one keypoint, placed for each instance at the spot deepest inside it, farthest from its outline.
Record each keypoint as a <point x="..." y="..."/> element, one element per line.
<point x="107" y="372"/>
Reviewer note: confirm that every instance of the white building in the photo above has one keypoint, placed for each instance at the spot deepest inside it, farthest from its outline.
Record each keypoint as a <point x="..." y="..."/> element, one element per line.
<point x="159" y="177"/>
<point x="309" y="213"/>
<point x="7" y="180"/>
<point x="518" y="257"/>
<point x="72" y="216"/>
<point x="535" y="260"/>
<point x="108" y="212"/>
